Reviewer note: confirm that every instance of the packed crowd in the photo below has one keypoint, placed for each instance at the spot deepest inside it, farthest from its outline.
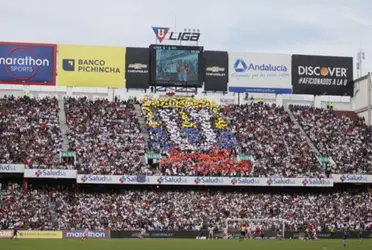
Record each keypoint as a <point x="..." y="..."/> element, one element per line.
<point x="29" y="131"/>
<point x="106" y="136"/>
<point x="267" y="132"/>
<point x="182" y="209"/>
<point x="195" y="137"/>
<point x="345" y="140"/>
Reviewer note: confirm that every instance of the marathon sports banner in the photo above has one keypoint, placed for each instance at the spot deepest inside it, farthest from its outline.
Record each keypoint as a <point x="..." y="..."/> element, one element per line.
<point x="351" y="178"/>
<point x="12" y="168"/>
<point x="216" y="70"/>
<point x="28" y="63"/>
<point x="204" y="181"/>
<point x="322" y="75"/>
<point x="50" y="173"/>
<point x="6" y="234"/>
<point x="80" y="234"/>
<point x="137" y="68"/>
<point x="91" y="66"/>
<point x="260" y="73"/>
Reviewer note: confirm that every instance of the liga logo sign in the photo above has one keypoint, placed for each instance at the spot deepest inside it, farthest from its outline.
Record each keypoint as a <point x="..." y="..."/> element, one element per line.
<point x="28" y="63"/>
<point x="91" y="66"/>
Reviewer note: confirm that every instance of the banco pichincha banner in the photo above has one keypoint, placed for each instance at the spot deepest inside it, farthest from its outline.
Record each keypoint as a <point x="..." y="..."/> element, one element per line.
<point x="91" y="66"/>
<point x="322" y="75"/>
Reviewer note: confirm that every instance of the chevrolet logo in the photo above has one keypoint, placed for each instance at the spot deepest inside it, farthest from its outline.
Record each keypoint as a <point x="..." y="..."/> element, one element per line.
<point x="215" y="69"/>
<point x="137" y="66"/>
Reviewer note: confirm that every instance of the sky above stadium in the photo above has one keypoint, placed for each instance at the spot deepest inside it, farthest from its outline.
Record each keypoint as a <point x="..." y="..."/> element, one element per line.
<point x="332" y="27"/>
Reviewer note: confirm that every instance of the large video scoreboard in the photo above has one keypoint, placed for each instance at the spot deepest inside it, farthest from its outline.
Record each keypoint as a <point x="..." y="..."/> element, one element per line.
<point x="173" y="65"/>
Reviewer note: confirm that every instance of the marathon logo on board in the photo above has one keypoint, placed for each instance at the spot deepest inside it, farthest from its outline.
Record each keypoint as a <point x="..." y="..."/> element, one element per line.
<point x="172" y="180"/>
<point x="78" y="234"/>
<point x="322" y="75"/>
<point x="140" y="68"/>
<point x="191" y="35"/>
<point x="27" y="63"/>
<point x="89" y="66"/>
<point x="12" y="168"/>
<point x="349" y="178"/>
<point x="50" y="173"/>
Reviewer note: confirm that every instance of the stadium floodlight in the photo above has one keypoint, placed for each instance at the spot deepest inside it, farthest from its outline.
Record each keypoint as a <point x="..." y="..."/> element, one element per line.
<point x="282" y="222"/>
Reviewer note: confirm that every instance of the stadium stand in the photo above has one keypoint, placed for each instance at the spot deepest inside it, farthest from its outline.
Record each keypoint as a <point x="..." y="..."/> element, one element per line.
<point x="345" y="138"/>
<point x="181" y="209"/>
<point x="106" y="136"/>
<point x="195" y="137"/>
<point x="29" y="131"/>
<point x="266" y="132"/>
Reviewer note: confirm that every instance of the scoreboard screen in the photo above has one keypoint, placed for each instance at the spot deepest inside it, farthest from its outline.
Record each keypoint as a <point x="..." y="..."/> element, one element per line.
<point x="176" y="65"/>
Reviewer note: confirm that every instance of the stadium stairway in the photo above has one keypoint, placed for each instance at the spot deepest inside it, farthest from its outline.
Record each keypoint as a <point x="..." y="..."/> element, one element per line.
<point x="141" y="120"/>
<point x="53" y="216"/>
<point x="312" y="146"/>
<point x="63" y="124"/>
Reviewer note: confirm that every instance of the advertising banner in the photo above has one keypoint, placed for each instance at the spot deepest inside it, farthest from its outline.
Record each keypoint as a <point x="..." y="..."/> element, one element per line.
<point x="50" y="173"/>
<point x="28" y="63"/>
<point x="115" y="179"/>
<point x="137" y="66"/>
<point x="12" y="168"/>
<point x="91" y="66"/>
<point x="203" y="181"/>
<point x="216" y="70"/>
<point x="322" y="75"/>
<point x="80" y="234"/>
<point x="6" y="234"/>
<point x="39" y="234"/>
<point x="352" y="178"/>
<point x="260" y="73"/>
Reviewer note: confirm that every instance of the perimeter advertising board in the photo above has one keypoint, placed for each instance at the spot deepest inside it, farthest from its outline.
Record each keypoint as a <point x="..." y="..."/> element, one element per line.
<point x="322" y="75"/>
<point x="203" y="181"/>
<point x="91" y="66"/>
<point x="28" y="63"/>
<point x="260" y="72"/>
<point x="50" y="173"/>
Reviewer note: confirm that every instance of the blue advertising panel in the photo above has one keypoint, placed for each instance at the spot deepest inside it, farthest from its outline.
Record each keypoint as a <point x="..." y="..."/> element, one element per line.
<point x="28" y="63"/>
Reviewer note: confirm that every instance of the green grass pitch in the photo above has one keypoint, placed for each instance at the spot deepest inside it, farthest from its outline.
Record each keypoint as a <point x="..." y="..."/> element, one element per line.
<point x="170" y="244"/>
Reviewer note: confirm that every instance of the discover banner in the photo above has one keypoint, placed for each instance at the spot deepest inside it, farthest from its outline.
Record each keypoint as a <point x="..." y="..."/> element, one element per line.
<point x="352" y="178"/>
<point x="28" y="63"/>
<point x="91" y="66"/>
<point x="322" y="75"/>
<point x="260" y="73"/>
<point x="204" y="181"/>
<point x="216" y="70"/>
<point x="50" y="173"/>
<point x="91" y="234"/>
<point x="23" y="234"/>
<point x="12" y="168"/>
